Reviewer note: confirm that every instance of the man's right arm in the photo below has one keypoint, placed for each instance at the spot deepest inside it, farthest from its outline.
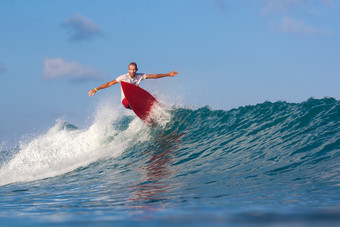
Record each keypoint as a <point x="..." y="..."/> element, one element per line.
<point x="106" y="85"/>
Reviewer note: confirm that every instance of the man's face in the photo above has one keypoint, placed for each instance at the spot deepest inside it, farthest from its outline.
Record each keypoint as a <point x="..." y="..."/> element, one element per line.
<point x="132" y="70"/>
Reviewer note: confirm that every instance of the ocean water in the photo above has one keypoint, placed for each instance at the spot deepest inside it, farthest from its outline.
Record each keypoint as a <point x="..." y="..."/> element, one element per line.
<point x="272" y="164"/>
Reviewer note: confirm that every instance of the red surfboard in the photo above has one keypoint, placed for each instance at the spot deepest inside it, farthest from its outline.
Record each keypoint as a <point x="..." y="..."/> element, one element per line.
<point x="139" y="100"/>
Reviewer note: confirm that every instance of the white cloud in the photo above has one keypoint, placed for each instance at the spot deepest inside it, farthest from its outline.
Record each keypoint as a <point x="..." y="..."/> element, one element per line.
<point x="3" y="68"/>
<point x="55" y="68"/>
<point x="295" y="26"/>
<point x="81" y="28"/>
<point x="299" y="27"/>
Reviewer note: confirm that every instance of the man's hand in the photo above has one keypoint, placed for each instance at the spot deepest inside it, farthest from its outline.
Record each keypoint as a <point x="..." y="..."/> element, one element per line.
<point x="92" y="92"/>
<point x="173" y="73"/>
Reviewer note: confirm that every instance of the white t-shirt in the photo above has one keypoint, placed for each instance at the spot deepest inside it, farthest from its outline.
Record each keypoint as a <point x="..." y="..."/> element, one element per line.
<point x="126" y="78"/>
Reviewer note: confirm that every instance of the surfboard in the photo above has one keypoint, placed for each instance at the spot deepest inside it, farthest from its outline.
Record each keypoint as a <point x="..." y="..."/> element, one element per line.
<point x="139" y="100"/>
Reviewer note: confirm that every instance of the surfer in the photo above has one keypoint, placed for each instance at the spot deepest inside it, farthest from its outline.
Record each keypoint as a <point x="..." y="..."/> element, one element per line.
<point x="131" y="77"/>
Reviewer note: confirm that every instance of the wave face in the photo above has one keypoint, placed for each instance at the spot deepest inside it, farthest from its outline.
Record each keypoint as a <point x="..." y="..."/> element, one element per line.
<point x="271" y="157"/>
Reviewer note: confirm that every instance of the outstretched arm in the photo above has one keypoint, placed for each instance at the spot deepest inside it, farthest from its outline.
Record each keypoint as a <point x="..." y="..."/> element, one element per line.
<point x="106" y="85"/>
<point x="156" y="76"/>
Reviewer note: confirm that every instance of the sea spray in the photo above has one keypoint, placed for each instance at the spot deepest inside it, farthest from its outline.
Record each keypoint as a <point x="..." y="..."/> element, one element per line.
<point x="65" y="148"/>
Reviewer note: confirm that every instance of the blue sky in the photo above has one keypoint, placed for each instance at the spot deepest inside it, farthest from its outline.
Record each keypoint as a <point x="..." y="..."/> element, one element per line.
<point x="228" y="54"/>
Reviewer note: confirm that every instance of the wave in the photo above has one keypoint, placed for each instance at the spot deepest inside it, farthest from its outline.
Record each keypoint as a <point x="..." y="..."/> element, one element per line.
<point x="65" y="148"/>
<point x="275" y="143"/>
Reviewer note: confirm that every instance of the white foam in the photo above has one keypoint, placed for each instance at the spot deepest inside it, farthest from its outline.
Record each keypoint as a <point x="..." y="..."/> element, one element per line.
<point x="159" y="114"/>
<point x="62" y="150"/>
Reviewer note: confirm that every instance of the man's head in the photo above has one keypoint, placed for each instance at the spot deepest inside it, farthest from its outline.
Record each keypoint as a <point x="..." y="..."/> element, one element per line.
<point x="133" y="69"/>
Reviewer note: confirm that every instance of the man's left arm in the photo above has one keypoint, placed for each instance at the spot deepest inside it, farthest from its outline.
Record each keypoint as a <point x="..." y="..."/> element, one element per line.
<point x="156" y="76"/>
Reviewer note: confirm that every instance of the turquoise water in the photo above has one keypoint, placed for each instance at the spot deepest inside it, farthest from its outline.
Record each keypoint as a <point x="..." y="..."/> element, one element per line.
<point x="272" y="163"/>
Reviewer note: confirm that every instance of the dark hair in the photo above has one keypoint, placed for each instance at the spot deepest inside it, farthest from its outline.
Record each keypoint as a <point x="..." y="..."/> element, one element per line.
<point x="133" y="63"/>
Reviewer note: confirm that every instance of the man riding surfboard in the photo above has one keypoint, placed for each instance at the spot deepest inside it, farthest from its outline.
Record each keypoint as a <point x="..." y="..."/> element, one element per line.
<point x="133" y="78"/>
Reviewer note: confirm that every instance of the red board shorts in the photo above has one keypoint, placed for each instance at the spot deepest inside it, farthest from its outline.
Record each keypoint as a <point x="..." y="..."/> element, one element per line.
<point x="126" y="104"/>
